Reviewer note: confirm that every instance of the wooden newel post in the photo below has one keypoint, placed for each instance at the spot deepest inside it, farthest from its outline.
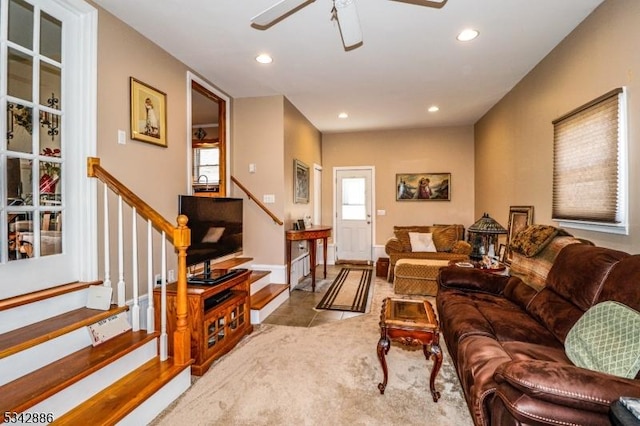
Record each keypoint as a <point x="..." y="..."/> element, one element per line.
<point x="182" y="337"/>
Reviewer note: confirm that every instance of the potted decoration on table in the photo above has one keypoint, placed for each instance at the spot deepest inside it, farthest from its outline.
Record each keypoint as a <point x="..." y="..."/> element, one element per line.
<point x="51" y="171"/>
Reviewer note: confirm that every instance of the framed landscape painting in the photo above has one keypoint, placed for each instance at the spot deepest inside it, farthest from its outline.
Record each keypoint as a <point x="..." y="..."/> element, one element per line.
<point x="148" y="114"/>
<point x="423" y="187"/>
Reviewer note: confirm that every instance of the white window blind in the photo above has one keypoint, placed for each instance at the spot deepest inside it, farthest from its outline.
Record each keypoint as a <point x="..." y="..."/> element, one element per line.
<point x="588" y="163"/>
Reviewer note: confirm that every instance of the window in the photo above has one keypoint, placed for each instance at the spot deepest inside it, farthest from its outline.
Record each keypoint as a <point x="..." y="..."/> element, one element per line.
<point x="353" y="199"/>
<point x="206" y="165"/>
<point x="589" y="168"/>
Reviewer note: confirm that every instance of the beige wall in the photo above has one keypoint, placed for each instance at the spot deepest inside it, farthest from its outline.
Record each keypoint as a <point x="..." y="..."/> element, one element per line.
<point x="514" y="140"/>
<point x="436" y="150"/>
<point x="270" y="132"/>
<point x="257" y="135"/>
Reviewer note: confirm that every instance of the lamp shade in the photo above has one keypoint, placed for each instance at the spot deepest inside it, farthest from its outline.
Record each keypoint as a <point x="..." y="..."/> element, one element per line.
<point x="487" y="225"/>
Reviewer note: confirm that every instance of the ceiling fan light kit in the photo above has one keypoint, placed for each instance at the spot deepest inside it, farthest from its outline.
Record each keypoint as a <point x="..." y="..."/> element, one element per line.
<point x="343" y="11"/>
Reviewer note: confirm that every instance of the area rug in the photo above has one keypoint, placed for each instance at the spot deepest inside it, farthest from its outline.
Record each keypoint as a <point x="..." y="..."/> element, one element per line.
<point x="349" y="291"/>
<point x="322" y="375"/>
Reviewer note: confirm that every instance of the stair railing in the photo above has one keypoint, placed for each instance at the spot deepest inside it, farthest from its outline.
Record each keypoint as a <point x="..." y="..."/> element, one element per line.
<point x="257" y="201"/>
<point x="179" y="236"/>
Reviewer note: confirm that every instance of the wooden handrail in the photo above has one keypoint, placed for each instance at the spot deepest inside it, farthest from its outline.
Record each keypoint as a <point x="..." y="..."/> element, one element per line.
<point x="258" y="202"/>
<point x="179" y="236"/>
<point x="94" y="169"/>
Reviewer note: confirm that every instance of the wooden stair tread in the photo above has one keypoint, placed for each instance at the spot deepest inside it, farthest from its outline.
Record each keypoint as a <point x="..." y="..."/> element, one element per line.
<point x="122" y="397"/>
<point x="40" y="384"/>
<point x="256" y="275"/>
<point x="24" y="299"/>
<point x="31" y="335"/>
<point x="265" y="295"/>
<point x="231" y="263"/>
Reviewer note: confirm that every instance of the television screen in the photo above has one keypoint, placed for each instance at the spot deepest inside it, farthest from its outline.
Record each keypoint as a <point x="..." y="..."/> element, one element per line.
<point x="216" y="227"/>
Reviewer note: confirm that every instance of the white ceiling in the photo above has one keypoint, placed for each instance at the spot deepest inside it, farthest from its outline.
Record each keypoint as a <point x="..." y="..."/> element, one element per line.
<point x="409" y="61"/>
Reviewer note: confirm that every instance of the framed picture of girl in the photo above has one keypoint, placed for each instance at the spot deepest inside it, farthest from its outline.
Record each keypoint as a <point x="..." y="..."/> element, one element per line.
<point x="148" y="114"/>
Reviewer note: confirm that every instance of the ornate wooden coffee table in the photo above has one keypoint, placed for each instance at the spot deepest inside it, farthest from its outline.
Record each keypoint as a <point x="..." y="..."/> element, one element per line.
<point x="411" y="323"/>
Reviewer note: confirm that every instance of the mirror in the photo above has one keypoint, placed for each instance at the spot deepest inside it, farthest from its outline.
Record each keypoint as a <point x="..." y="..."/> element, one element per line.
<point x="208" y="146"/>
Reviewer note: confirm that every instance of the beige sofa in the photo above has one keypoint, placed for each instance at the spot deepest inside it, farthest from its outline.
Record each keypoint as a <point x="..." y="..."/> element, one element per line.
<point x="448" y="240"/>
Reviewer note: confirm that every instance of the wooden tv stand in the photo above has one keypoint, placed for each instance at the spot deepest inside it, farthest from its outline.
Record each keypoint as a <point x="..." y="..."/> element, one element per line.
<point x="215" y="330"/>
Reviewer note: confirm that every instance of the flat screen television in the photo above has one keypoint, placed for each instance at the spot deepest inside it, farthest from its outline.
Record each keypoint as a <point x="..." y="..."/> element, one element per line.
<point x="216" y="229"/>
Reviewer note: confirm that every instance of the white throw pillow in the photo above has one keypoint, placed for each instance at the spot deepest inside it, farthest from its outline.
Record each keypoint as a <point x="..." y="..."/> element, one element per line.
<point x="421" y="241"/>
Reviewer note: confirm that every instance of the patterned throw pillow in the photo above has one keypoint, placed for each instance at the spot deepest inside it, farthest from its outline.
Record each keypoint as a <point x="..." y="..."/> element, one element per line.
<point x="532" y="239"/>
<point x="606" y="339"/>
<point x="445" y="237"/>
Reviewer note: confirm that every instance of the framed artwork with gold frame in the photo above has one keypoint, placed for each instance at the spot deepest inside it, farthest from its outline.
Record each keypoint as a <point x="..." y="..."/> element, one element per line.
<point x="148" y="113"/>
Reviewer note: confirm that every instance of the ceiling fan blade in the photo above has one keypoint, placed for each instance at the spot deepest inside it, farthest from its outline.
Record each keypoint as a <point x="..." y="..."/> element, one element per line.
<point x="429" y="3"/>
<point x="278" y="12"/>
<point x="349" y="23"/>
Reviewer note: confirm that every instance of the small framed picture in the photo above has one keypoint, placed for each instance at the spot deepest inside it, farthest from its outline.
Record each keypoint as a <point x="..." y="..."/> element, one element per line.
<point x="148" y="114"/>
<point x="502" y="251"/>
<point x="300" y="182"/>
<point x="301" y="226"/>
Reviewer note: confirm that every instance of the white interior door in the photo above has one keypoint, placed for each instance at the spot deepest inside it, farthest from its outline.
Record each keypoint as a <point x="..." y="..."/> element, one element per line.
<point x="353" y="230"/>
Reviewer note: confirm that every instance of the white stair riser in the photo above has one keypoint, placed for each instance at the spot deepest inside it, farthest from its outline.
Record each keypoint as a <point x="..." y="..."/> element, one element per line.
<point x="72" y="396"/>
<point x="278" y="272"/>
<point x="258" y="316"/>
<point x="148" y="410"/>
<point x="24" y="362"/>
<point x="31" y="313"/>
<point x="258" y="285"/>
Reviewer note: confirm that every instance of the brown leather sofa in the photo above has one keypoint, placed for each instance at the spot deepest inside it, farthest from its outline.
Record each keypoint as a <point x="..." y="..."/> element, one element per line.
<point x="448" y="239"/>
<point x="507" y="340"/>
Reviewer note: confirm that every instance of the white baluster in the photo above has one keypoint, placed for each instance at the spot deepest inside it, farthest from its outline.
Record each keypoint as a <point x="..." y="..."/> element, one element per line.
<point x="164" y="348"/>
<point x="121" y="284"/>
<point x="107" y="260"/>
<point x="151" y="324"/>
<point x="135" y="309"/>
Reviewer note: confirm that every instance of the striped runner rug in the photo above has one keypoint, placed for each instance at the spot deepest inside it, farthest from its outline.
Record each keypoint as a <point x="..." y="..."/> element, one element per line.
<point x="349" y="291"/>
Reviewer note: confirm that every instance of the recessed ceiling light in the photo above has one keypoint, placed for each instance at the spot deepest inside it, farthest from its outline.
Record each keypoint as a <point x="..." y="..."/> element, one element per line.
<point x="263" y="58"/>
<point x="343" y="115"/>
<point x="467" y="35"/>
<point x="433" y="108"/>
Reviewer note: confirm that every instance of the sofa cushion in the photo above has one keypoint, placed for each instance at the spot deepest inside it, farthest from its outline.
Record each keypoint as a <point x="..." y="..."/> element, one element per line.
<point x="445" y="237"/>
<point x="402" y="234"/>
<point x="422" y="241"/>
<point x="606" y="339"/>
<point x="532" y="239"/>
<point x="533" y="271"/>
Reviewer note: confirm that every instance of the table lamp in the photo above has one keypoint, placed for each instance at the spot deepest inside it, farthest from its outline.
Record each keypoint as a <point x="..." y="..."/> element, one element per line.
<point x="483" y="235"/>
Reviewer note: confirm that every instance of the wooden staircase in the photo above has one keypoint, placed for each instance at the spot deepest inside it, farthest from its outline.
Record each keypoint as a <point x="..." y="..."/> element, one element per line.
<point x="266" y="296"/>
<point x="50" y="367"/>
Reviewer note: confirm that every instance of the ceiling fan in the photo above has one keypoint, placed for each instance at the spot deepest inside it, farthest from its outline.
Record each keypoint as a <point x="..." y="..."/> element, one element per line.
<point x="344" y="12"/>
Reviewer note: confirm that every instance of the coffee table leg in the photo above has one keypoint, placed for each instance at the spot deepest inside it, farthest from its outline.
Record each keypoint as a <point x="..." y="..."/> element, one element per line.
<point x="434" y="350"/>
<point x="383" y="349"/>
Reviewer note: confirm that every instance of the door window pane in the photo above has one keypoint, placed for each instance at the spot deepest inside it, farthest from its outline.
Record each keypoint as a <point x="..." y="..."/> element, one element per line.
<point x="21" y="23"/>
<point x="20" y="68"/>
<point x="50" y="37"/>
<point x="19" y="128"/>
<point x="19" y="183"/>
<point x="353" y="198"/>
<point x="50" y="85"/>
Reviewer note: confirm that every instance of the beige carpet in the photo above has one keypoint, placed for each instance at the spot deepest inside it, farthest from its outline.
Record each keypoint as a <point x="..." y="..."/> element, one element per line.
<point x="323" y="375"/>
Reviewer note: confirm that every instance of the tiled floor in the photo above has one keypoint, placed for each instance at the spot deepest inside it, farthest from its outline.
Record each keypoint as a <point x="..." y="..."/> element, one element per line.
<point x="299" y="310"/>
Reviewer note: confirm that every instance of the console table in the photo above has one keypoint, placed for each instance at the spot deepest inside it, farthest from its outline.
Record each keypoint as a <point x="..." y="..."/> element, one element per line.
<point x="310" y="234"/>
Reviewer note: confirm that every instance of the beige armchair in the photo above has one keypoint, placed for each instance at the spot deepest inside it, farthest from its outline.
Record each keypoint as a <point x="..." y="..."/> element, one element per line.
<point x="448" y="240"/>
